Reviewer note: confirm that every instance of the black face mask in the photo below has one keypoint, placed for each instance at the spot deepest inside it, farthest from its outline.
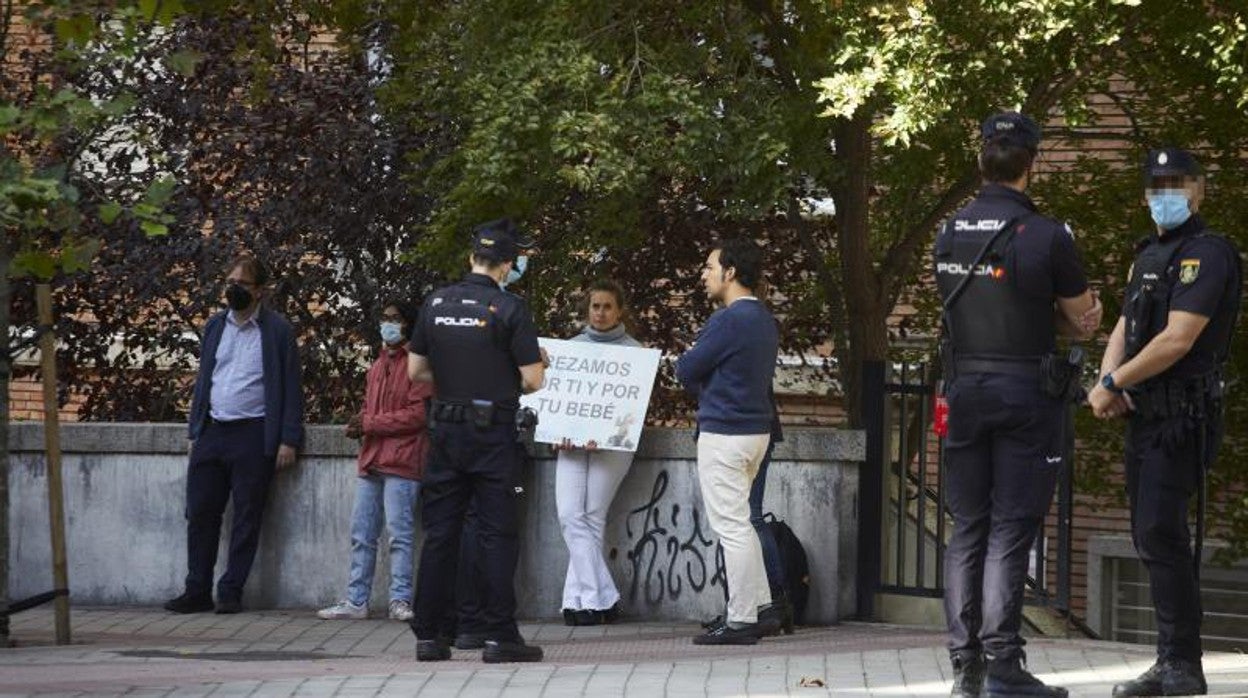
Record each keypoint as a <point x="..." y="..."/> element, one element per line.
<point x="237" y="297"/>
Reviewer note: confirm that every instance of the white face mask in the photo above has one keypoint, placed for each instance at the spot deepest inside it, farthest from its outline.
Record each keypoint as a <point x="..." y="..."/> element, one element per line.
<point x="391" y="332"/>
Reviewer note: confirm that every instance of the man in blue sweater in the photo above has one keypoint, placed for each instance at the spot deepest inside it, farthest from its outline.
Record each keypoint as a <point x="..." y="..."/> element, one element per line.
<point x="730" y="370"/>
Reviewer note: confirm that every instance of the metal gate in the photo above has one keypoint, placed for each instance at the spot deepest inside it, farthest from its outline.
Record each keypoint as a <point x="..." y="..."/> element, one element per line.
<point x="902" y="517"/>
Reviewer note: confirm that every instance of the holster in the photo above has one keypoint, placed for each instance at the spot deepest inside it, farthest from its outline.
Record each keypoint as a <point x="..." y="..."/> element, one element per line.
<point x="1061" y="374"/>
<point x="526" y="425"/>
<point x="482" y="413"/>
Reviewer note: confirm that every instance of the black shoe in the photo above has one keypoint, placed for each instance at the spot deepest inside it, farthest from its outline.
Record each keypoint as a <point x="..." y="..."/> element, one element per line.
<point x="968" y="677"/>
<point x="1169" y="677"/>
<point x="581" y="617"/>
<point x="610" y="615"/>
<point x="469" y="641"/>
<point x="229" y="606"/>
<point x="432" y="650"/>
<point x="714" y="623"/>
<point x="498" y="652"/>
<point x="769" y="621"/>
<point x="190" y="603"/>
<point x="1008" y="678"/>
<point x="725" y="634"/>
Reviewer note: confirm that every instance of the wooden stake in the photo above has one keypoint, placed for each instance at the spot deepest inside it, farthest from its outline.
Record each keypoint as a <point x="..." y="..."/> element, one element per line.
<point x="52" y="441"/>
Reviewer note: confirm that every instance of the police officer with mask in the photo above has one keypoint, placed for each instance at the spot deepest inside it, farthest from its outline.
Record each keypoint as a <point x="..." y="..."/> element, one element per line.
<point x="1163" y="368"/>
<point x="1010" y="281"/>
<point x="477" y="342"/>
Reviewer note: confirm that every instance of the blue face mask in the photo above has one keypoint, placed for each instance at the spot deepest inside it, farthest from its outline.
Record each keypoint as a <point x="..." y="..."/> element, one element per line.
<point x="1169" y="207"/>
<point x="391" y="332"/>
<point x="517" y="270"/>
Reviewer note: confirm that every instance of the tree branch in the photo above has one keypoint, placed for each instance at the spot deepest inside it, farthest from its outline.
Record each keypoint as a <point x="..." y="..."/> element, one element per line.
<point x="4" y="30"/>
<point x="831" y="286"/>
<point x="900" y="260"/>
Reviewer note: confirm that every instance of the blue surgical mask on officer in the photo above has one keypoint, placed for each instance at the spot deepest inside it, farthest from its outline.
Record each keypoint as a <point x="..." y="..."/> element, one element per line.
<point x="391" y="332"/>
<point x="1170" y="207"/>
<point x="517" y="270"/>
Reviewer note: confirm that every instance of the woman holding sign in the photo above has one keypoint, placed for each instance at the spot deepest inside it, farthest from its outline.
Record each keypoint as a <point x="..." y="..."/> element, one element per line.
<point x="586" y="480"/>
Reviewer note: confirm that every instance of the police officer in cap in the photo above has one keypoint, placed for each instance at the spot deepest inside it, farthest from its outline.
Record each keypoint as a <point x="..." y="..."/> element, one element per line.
<point x="477" y="342"/>
<point x="1163" y="369"/>
<point x="1011" y="282"/>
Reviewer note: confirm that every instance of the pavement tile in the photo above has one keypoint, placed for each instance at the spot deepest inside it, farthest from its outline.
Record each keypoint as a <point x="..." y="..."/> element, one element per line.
<point x="251" y="657"/>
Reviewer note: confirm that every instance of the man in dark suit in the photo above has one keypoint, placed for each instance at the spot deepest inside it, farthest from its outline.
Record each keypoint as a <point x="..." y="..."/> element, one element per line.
<point x="246" y="422"/>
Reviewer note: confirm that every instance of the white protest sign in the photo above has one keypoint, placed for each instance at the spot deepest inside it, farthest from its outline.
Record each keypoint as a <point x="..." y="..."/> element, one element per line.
<point x="594" y="392"/>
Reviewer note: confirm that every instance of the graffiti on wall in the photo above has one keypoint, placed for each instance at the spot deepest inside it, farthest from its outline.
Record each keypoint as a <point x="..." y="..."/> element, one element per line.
<point x="670" y="554"/>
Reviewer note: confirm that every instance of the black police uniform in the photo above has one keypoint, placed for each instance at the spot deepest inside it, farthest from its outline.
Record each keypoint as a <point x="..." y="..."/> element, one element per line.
<point x="475" y="336"/>
<point x="1173" y="432"/>
<point x="1006" y="440"/>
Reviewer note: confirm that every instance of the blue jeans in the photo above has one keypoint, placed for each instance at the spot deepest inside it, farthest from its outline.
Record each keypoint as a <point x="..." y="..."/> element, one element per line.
<point x="397" y="496"/>
<point x="771" y="552"/>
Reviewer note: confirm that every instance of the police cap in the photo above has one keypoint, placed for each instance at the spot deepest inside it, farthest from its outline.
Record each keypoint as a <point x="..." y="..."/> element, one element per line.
<point x="1171" y="162"/>
<point x="499" y="240"/>
<point x="1013" y="128"/>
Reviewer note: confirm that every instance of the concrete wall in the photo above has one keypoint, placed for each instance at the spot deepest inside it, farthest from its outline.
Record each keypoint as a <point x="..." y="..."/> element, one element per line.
<point x="125" y="496"/>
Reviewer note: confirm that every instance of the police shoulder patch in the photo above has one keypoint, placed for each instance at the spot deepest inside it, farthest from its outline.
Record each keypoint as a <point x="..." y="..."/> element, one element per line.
<point x="1069" y="232"/>
<point x="1189" y="269"/>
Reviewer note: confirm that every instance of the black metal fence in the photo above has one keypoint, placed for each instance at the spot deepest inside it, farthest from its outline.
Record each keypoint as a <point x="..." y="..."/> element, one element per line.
<point x="903" y="518"/>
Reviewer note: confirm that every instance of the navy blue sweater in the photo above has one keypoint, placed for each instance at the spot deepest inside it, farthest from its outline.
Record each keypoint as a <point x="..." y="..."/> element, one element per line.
<point x="283" y="386"/>
<point x="730" y="369"/>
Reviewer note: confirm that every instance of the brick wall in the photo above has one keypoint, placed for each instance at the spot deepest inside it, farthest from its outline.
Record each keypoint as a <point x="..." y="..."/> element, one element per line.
<point x="26" y="401"/>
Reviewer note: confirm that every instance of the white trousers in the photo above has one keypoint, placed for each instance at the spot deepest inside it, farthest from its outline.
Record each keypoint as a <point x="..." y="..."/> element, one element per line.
<point x="585" y="484"/>
<point x="727" y="465"/>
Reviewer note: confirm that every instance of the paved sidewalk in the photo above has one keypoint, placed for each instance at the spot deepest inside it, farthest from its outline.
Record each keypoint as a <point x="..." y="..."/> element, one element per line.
<point x="149" y="652"/>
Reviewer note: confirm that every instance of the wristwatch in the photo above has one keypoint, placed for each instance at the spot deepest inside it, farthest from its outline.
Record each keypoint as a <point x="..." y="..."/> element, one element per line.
<point x="1107" y="382"/>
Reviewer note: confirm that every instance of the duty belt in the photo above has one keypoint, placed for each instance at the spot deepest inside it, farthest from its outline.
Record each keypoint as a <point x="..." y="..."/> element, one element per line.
<point x="1160" y="399"/>
<point x="453" y="412"/>
<point x="1023" y="367"/>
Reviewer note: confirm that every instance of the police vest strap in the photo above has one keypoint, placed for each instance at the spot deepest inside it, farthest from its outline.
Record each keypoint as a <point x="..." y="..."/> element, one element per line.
<point x="979" y="258"/>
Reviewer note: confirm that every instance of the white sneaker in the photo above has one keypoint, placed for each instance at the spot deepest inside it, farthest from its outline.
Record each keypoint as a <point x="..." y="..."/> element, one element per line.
<point x="343" y="610"/>
<point x="400" y="610"/>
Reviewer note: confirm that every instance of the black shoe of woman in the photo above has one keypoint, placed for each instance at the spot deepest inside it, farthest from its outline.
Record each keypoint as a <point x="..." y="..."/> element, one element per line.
<point x="610" y="615"/>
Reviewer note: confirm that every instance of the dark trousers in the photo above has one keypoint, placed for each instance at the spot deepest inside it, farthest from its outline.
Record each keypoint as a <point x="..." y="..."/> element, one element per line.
<point x="1163" y="471"/>
<point x="228" y="461"/>
<point x="771" y="551"/>
<point x="481" y="467"/>
<point x="470" y="590"/>
<point x="1003" y="455"/>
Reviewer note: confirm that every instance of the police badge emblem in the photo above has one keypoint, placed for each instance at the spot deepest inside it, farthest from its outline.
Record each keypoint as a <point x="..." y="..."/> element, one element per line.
<point x="1189" y="269"/>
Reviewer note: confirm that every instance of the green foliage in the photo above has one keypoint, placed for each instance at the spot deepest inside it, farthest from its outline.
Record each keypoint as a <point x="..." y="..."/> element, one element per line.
<point x="51" y="125"/>
<point x="617" y="130"/>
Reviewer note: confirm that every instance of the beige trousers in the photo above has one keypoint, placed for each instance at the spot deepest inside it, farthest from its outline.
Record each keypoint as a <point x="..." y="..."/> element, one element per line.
<point x="727" y="465"/>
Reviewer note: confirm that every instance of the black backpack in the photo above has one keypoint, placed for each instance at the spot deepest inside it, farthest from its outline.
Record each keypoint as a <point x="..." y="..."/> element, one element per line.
<point x="796" y="567"/>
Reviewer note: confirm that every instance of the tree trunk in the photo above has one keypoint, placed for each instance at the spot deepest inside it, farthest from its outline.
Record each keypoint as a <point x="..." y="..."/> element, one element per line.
<point x="866" y="311"/>
<point x="5" y="369"/>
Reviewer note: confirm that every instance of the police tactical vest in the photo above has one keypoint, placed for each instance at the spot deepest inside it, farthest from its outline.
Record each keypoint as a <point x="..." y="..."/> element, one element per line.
<point x="476" y="321"/>
<point x="1147" y="305"/>
<point x="992" y="318"/>
<point x="469" y="334"/>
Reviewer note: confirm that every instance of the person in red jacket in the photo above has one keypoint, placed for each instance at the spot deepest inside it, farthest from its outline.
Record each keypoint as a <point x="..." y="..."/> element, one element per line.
<point x="393" y="452"/>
